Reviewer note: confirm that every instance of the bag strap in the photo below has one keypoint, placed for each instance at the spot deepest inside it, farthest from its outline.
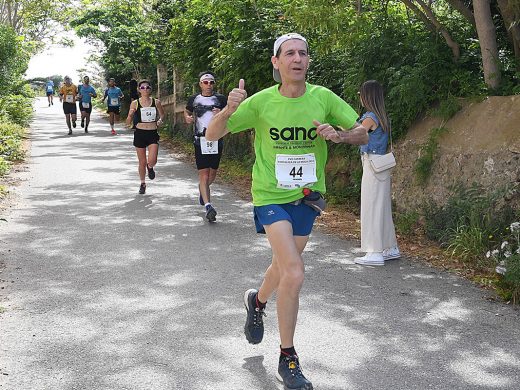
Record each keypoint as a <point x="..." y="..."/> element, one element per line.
<point x="391" y="143"/>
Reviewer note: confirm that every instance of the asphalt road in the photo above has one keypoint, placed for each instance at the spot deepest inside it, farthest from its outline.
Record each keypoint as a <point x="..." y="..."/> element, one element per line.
<point x="107" y="289"/>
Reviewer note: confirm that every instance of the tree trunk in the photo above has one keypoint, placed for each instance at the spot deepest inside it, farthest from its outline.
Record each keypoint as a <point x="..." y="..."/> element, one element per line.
<point x="512" y="23"/>
<point x="488" y="42"/>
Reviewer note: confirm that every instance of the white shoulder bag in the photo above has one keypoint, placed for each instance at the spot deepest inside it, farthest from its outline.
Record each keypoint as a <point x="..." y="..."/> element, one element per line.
<point x="385" y="161"/>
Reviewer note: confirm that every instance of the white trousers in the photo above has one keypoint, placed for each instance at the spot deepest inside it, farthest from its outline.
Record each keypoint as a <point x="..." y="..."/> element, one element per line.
<point x="377" y="226"/>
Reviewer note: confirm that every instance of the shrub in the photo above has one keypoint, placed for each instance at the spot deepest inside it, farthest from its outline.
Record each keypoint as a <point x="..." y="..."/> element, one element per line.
<point x="507" y="258"/>
<point x="16" y="109"/>
<point x="472" y="207"/>
<point x="4" y="166"/>
<point x="406" y="222"/>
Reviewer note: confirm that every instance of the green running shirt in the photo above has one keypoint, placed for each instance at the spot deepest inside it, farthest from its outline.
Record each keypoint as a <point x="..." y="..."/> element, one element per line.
<point x="283" y="128"/>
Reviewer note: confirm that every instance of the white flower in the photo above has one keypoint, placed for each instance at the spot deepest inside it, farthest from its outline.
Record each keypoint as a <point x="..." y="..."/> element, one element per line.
<point x="488" y="253"/>
<point x="495" y="252"/>
<point x="515" y="227"/>
<point x="507" y="254"/>
<point x="504" y="244"/>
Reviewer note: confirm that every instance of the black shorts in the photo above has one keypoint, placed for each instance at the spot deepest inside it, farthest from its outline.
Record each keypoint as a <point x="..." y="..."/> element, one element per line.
<point x="114" y="109"/>
<point x="85" y="109"/>
<point x="144" y="138"/>
<point x="69" y="108"/>
<point x="50" y="93"/>
<point x="204" y="161"/>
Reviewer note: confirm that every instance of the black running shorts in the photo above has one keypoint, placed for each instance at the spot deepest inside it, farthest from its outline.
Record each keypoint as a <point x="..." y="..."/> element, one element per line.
<point x="114" y="109"/>
<point x="204" y="161"/>
<point x="144" y="138"/>
<point x="85" y="109"/>
<point x="69" y="108"/>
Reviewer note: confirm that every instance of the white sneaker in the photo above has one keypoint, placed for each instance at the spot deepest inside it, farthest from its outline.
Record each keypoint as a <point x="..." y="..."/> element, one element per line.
<point x="371" y="258"/>
<point x="391" y="253"/>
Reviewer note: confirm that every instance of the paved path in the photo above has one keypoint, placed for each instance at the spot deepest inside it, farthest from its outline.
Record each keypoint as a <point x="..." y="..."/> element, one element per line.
<point x="105" y="289"/>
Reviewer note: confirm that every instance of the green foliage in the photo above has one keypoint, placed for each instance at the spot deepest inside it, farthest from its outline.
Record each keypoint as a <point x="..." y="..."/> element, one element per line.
<point x="405" y="222"/>
<point x="467" y="209"/>
<point x="14" y="58"/>
<point x="128" y="34"/>
<point x="447" y="108"/>
<point x="4" y="167"/>
<point x="468" y="243"/>
<point x="11" y="143"/>
<point x="507" y="256"/>
<point x="16" y="109"/>
<point x="428" y="153"/>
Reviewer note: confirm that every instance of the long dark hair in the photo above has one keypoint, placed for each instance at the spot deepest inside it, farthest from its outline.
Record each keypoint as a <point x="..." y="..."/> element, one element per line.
<point x="372" y="97"/>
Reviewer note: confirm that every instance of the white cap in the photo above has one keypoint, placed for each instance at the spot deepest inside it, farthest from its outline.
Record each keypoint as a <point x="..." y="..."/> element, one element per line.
<point x="207" y="76"/>
<point x="278" y="43"/>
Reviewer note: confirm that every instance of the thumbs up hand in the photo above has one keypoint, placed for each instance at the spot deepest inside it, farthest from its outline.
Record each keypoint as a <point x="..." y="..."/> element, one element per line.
<point x="236" y="96"/>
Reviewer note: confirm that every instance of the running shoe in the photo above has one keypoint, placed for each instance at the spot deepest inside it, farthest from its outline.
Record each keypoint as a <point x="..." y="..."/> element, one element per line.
<point x="82" y="122"/>
<point x="151" y="172"/>
<point x="74" y="124"/>
<point x="86" y="129"/>
<point x="70" y="132"/>
<point x="254" y="328"/>
<point x="113" y="132"/>
<point x="142" y="188"/>
<point x="290" y="374"/>
<point x="211" y="213"/>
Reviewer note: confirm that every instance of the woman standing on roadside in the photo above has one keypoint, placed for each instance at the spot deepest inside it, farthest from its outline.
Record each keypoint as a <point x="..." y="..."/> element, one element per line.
<point x="146" y="114"/>
<point x="377" y="228"/>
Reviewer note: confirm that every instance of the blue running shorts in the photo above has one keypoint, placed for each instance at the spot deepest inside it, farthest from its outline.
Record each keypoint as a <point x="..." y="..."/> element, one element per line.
<point x="300" y="216"/>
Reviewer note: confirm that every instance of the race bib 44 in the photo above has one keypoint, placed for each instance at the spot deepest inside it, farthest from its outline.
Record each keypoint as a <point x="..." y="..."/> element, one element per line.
<point x="295" y="171"/>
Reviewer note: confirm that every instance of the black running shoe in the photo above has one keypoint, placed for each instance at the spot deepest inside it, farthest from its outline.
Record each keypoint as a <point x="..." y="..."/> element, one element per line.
<point x="82" y="122"/>
<point x="86" y="129"/>
<point x="74" y="124"/>
<point x="254" y="328"/>
<point x="290" y="374"/>
<point x="211" y="213"/>
<point x="142" y="188"/>
<point x="151" y="172"/>
<point x="70" y="132"/>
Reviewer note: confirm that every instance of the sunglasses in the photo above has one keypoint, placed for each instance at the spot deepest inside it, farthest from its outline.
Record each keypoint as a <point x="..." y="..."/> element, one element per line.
<point x="145" y="87"/>
<point x="210" y="82"/>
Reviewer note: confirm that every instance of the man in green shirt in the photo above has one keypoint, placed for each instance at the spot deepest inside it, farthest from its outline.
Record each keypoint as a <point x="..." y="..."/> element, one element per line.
<point x="292" y="121"/>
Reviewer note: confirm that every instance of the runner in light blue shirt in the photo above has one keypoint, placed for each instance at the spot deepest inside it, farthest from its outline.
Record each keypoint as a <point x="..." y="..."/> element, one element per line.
<point x="114" y="95"/>
<point x="86" y="93"/>
<point x="49" y="89"/>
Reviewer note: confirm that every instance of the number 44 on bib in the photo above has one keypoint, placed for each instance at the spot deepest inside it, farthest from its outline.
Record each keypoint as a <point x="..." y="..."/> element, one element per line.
<point x="295" y="171"/>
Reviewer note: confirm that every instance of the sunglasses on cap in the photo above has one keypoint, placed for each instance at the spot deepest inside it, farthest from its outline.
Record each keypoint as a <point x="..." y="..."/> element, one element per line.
<point x="210" y="82"/>
<point x="145" y="87"/>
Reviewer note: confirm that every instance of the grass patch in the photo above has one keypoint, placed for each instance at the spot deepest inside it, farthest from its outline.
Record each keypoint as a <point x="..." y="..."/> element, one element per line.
<point x="406" y="222"/>
<point x="428" y="153"/>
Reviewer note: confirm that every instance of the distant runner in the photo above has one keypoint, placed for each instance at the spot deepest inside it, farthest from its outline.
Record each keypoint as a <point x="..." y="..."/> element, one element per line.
<point x="49" y="89"/>
<point x="86" y="93"/>
<point x="68" y="94"/>
<point x="113" y="95"/>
